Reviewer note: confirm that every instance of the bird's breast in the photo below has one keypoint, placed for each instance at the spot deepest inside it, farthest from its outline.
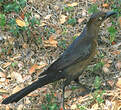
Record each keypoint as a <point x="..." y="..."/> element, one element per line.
<point x="81" y="65"/>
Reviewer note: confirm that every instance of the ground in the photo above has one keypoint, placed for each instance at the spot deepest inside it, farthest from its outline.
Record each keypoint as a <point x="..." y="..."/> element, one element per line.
<point x="26" y="52"/>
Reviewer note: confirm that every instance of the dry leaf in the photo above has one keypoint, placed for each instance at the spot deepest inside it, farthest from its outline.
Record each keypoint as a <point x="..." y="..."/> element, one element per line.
<point x="56" y="7"/>
<point x="110" y="82"/>
<point x="2" y="75"/>
<point x="107" y="65"/>
<point x="16" y="89"/>
<point x="67" y="93"/>
<point x="15" y="57"/>
<point x="41" y="66"/>
<point x="27" y="101"/>
<point x="116" y="52"/>
<point x="119" y="20"/>
<point x="2" y="79"/>
<point x="48" y="16"/>
<point x="43" y="23"/>
<point x="33" y="68"/>
<point x="20" y="23"/>
<point x="20" y="107"/>
<point x="117" y="105"/>
<point x="5" y="65"/>
<point x="118" y="65"/>
<point x="7" y="107"/>
<point x="74" y="107"/>
<point x="63" y="19"/>
<point x="51" y="42"/>
<point x="95" y="106"/>
<point x="3" y="90"/>
<point x="105" y="69"/>
<point x="17" y="76"/>
<point x="118" y="84"/>
<point x="94" y="0"/>
<point x="11" y="40"/>
<point x="25" y="46"/>
<point x="105" y="5"/>
<point x="77" y="34"/>
<point x="80" y="20"/>
<point x="59" y="31"/>
<point x="73" y="4"/>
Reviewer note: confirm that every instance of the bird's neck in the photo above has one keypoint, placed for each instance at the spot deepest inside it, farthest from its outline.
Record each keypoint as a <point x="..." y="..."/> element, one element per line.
<point x="92" y="31"/>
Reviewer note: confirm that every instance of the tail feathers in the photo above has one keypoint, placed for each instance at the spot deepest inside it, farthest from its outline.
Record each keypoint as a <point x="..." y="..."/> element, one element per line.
<point x="37" y="84"/>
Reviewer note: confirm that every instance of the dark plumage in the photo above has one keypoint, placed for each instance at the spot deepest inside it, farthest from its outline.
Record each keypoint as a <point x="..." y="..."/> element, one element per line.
<point x="72" y="62"/>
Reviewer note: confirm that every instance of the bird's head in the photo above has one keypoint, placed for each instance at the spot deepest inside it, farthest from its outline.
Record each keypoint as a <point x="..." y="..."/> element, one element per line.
<point x="97" y="18"/>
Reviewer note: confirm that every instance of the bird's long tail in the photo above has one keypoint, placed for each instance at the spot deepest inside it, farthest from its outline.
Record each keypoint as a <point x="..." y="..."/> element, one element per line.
<point x="49" y="78"/>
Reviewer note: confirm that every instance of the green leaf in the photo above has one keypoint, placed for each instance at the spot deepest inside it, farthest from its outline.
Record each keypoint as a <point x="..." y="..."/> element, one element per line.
<point x="68" y="9"/>
<point x="112" y="32"/>
<point x="93" y="9"/>
<point x="2" y="20"/>
<point x="72" y="21"/>
<point x="97" y="82"/>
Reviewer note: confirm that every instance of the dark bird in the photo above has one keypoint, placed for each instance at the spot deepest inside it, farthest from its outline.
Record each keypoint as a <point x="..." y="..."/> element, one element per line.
<point x="72" y="62"/>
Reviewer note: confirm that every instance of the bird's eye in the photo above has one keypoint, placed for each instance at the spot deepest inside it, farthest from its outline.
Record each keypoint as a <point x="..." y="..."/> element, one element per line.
<point x="100" y="18"/>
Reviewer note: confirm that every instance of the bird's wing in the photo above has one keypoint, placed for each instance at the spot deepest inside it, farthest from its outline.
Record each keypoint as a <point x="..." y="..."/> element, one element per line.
<point x="78" y="51"/>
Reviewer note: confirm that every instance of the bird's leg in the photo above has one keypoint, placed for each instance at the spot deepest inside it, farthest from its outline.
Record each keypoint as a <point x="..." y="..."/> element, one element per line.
<point x="63" y="91"/>
<point x="84" y="90"/>
<point x="65" y="83"/>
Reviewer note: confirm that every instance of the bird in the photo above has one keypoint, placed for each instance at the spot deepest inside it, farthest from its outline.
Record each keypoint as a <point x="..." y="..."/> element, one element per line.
<point x="71" y="64"/>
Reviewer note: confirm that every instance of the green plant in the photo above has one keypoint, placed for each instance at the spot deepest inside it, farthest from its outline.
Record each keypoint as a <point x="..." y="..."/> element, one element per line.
<point x="93" y="9"/>
<point x="14" y="5"/>
<point x="2" y="20"/>
<point x="98" y="66"/>
<point x="64" y="32"/>
<point x="68" y="8"/>
<point x="98" y="95"/>
<point x="72" y="21"/>
<point x="112" y="32"/>
<point x="74" y="37"/>
<point x="14" y="64"/>
<point x="81" y="107"/>
<point x="50" y="103"/>
<point x="62" y="44"/>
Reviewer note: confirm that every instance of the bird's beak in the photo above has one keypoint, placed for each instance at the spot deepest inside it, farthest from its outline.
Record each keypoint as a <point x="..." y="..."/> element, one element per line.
<point x="110" y="13"/>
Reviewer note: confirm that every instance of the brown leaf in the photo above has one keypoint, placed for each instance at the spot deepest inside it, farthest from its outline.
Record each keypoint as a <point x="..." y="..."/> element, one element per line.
<point x="80" y="20"/>
<point x="63" y="19"/>
<point x="16" y="89"/>
<point x="117" y="105"/>
<point x="35" y="66"/>
<point x="43" y="23"/>
<point x="73" y="4"/>
<point x="17" y="76"/>
<point x="105" y="69"/>
<point x="25" y="46"/>
<point x="94" y="1"/>
<point x="110" y="82"/>
<point x="105" y="5"/>
<point x="15" y="57"/>
<point x="48" y="16"/>
<point x="5" y="65"/>
<point x="20" y="107"/>
<point x="116" y="52"/>
<point x="2" y="75"/>
<point x="51" y="42"/>
<point x="118" y="65"/>
<point x="107" y="65"/>
<point x="3" y="90"/>
<point x="119" y="20"/>
<point x="20" y="23"/>
<point x="118" y="84"/>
